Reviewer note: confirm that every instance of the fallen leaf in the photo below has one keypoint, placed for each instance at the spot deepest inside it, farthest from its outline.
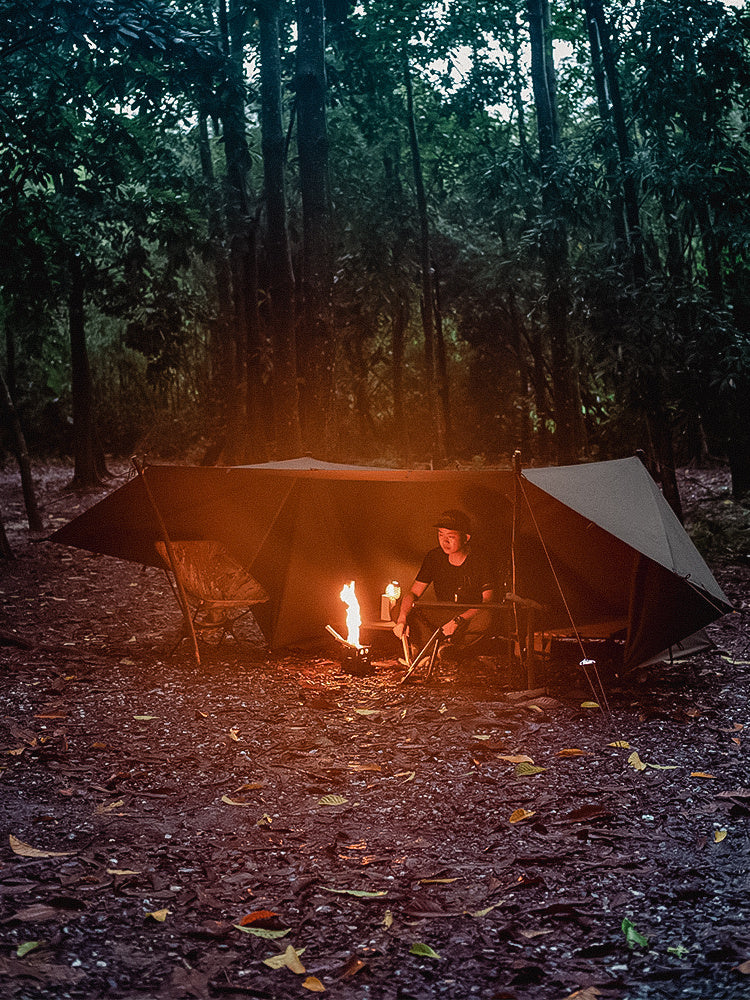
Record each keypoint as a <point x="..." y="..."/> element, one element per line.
<point x="520" y="814"/>
<point x="352" y="967"/>
<point x="159" y="915"/>
<point x="744" y="968"/>
<point x="701" y="774"/>
<point x="256" y="915"/>
<point x="103" y="809"/>
<point x="589" y="704"/>
<point x="635" y="761"/>
<point x="26" y="947"/>
<point x="485" y="911"/>
<point x="263" y="932"/>
<point x="622" y="744"/>
<point x="234" y="735"/>
<point x="235" y="802"/>
<point x="265" y="820"/>
<point x="632" y="936"/>
<point x="524" y="770"/>
<point x="121" y="871"/>
<point x="387" y="919"/>
<point x="365" y="767"/>
<point x="37" y="912"/>
<point x="361" y="893"/>
<point x="367" y="711"/>
<point x="438" y="881"/>
<point x="26" y="851"/>
<point x="332" y="800"/>
<point x="406" y="775"/>
<point x="587" y="993"/>
<point x="719" y="835"/>
<point x="423" y="949"/>
<point x="313" y="984"/>
<point x="572" y="752"/>
<point x="288" y="959"/>
<point x="144" y="718"/>
<point x="520" y="758"/>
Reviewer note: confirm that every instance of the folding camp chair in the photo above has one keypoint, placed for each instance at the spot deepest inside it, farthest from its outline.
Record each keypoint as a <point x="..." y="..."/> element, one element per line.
<point x="220" y="592"/>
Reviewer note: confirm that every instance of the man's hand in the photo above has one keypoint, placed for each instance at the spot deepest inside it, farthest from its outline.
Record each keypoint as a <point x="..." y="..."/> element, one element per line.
<point x="400" y="629"/>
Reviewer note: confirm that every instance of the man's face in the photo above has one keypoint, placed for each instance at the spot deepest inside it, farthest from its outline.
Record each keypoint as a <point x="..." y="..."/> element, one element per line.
<point x="451" y="541"/>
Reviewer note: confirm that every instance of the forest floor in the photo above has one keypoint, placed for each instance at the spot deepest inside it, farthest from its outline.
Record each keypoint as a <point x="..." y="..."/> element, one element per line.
<point x="276" y="827"/>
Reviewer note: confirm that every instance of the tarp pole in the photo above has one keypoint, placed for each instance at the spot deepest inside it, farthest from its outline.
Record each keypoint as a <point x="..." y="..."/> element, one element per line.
<point x="181" y="595"/>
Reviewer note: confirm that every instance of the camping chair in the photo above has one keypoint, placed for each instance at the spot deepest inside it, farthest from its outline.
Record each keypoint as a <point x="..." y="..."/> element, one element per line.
<point x="220" y="592"/>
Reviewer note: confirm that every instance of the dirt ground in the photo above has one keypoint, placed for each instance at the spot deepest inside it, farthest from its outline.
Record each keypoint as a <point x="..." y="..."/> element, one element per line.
<point x="277" y="827"/>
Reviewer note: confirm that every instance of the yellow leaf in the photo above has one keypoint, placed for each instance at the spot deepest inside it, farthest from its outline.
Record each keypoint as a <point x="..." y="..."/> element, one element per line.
<point x="234" y="802"/>
<point x="388" y="919"/>
<point x="313" y="984"/>
<point x="481" y="736"/>
<point x="265" y="820"/>
<point x="589" y="704"/>
<point x="234" y="735"/>
<point x="366" y="711"/>
<point x="701" y="774"/>
<point x="622" y="744"/>
<point x="160" y="915"/>
<point x="144" y="718"/>
<point x="719" y="835"/>
<point x="101" y="809"/>
<point x="406" y="775"/>
<point x="15" y="753"/>
<point x="524" y="770"/>
<point x="438" y="881"/>
<point x="26" y="851"/>
<point x="519" y="814"/>
<point x="572" y="752"/>
<point x="288" y="959"/>
<point x="635" y="761"/>
<point x="485" y="911"/>
<point x="520" y="758"/>
<point x="121" y="871"/>
<point x="332" y="800"/>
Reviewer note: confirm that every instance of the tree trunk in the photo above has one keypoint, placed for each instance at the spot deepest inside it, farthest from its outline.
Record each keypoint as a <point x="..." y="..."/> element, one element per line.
<point x="6" y="552"/>
<point x="88" y="459"/>
<point x="555" y="243"/>
<point x="223" y="346"/>
<point x="612" y="110"/>
<point x="246" y="441"/>
<point x="288" y="434"/>
<point x="437" y="413"/>
<point x="315" y="347"/>
<point x="22" y="456"/>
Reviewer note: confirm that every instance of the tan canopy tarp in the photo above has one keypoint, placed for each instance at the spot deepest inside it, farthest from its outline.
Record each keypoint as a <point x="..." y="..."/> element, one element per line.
<point x="595" y="545"/>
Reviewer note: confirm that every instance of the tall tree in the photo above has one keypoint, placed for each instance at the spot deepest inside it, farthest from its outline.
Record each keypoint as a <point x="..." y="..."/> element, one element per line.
<point x="315" y="336"/>
<point x="280" y="279"/>
<point x="554" y="238"/>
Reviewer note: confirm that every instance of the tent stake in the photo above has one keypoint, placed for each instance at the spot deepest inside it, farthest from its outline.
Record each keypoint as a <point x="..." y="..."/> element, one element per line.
<point x="182" y="596"/>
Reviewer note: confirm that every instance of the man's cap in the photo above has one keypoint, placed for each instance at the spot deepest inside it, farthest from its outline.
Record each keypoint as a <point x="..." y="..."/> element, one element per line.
<point x="454" y="520"/>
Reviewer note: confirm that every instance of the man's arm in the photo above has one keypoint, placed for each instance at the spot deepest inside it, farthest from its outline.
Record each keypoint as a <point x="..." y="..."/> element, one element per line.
<point x="465" y="617"/>
<point x="410" y="599"/>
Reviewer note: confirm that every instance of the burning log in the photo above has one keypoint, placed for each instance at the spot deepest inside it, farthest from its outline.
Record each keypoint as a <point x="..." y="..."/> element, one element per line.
<point x="356" y="660"/>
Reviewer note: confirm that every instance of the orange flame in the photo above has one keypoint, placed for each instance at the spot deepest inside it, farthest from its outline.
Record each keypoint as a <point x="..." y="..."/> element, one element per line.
<point x="353" y="615"/>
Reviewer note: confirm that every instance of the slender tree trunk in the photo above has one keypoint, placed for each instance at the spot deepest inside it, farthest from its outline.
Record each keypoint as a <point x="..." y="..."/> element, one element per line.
<point x="437" y="413"/>
<point x="280" y="277"/>
<point x="6" y="552"/>
<point x="441" y="363"/>
<point x="22" y="456"/>
<point x="315" y="344"/>
<point x="246" y="434"/>
<point x="555" y="244"/>
<point x="612" y="111"/>
<point x="88" y="460"/>
<point x="223" y="346"/>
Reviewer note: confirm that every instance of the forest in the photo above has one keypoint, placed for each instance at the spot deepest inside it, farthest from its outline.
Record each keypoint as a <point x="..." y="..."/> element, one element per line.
<point x="398" y="233"/>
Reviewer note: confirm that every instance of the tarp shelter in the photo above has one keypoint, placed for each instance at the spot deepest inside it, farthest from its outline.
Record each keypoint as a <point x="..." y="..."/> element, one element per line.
<point x="595" y="545"/>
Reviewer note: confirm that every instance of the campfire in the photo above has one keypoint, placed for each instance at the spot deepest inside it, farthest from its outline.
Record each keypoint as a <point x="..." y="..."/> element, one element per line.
<point x="356" y="658"/>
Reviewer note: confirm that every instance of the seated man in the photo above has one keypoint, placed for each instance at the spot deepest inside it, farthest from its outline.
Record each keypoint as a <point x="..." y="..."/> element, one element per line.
<point x="458" y="574"/>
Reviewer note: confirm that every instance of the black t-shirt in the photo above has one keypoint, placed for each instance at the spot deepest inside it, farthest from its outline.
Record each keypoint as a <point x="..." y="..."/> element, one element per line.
<point x="463" y="584"/>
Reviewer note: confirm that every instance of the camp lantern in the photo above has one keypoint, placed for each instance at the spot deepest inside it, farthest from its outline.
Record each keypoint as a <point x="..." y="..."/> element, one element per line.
<point x="388" y="600"/>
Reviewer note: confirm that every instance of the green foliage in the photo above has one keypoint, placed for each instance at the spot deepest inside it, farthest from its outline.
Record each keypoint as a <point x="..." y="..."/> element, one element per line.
<point x="101" y="156"/>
